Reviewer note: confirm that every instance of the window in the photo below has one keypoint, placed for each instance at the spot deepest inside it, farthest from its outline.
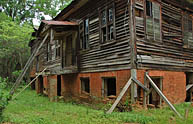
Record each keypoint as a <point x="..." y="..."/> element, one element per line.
<point x="107" y="24"/>
<point x="109" y="87"/>
<point x="58" y="54"/>
<point x="188" y="36"/>
<point x="85" y="85"/>
<point x="84" y="34"/>
<point x="153" y="23"/>
<point x="53" y="50"/>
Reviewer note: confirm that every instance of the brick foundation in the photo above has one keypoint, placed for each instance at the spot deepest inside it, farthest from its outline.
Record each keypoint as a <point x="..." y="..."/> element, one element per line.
<point x="174" y="83"/>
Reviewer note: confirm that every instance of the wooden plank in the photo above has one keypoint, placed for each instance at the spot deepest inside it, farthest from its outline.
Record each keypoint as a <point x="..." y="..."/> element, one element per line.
<point x="133" y="86"/>
<point x="120" y="96"/>
<point x="144" y="93"/>
<point x="189" y="86"/>
<point x="133" y="49"/>
<point x="150" y="90"/>
<point x="163" y="96"/>
<point x="140" y="84"/>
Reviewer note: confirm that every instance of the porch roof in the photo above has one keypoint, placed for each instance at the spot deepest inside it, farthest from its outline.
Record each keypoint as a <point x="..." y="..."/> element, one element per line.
<point x="60" y="23"/>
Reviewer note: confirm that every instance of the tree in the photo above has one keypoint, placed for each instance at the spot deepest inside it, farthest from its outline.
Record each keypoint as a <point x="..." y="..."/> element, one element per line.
<point x="26" y="10"/>
<point x="14" y="49"/>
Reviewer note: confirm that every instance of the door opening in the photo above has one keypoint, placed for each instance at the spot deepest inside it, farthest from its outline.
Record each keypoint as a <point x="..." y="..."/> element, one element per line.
<point x="59" y="85"/>
<point x="41" y="84"/>
<point x="154" y="97"/>
<point x="109" y="87"/>
<point x="33" y="84"/>
<point x="189" y="83"/>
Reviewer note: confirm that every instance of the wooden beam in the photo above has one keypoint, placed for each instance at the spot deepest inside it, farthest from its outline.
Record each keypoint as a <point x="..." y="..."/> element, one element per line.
<point x="140" y="84"/>
<point x="189" y="86"/>
<point x="163" y="96"/>
<point x="144" y="93"/>
<point x="150" y="90"/>
<point x="133" y="86"/>
<point x="27" y="65"/>
<point x="133" y="49"/>
<point x="120" y="96"/>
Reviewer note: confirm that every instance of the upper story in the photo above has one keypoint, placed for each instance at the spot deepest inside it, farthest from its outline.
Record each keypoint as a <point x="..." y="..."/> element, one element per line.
<point x="107" y="35"/>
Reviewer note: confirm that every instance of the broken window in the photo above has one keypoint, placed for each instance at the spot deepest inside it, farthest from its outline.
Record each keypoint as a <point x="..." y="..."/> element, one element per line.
<point x="107" y="24"/>
<point x="84" y="34"/>
<point x="153" y="23"/>
<point x="188" y="36"/>
<point x="109" y="87"/>
<point x="85" y="85"/>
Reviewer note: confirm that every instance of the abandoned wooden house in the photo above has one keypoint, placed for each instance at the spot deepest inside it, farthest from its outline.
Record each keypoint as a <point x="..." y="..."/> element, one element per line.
<point x="93" y="47"/>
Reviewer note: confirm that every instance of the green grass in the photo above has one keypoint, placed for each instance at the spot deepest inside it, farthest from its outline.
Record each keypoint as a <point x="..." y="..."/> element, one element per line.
<point x="30" y="108"/>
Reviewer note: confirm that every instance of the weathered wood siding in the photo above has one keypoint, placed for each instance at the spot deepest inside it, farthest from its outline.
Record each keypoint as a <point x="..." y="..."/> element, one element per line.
<point x="113" y="55"/>
<point x="169" y="53"/>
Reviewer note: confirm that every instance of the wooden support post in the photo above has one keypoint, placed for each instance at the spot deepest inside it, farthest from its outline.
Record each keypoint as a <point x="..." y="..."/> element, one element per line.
<point x="133" y="86"/>
<point x="120" y="96"/>
<point x="133" y="49"/>
<point x="151" y="89"/>
<point x="144" y="93"/>
<point x="163" y="96"/>
<point x="140" y="84"/>
<point x="161" y="85"/>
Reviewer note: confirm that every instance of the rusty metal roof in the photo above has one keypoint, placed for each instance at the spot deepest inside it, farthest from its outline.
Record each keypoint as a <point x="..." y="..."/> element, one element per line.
<point x="59" y="22"/>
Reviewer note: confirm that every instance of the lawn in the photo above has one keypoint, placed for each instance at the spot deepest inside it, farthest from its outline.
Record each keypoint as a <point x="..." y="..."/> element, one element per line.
<point x="30" y="108"/>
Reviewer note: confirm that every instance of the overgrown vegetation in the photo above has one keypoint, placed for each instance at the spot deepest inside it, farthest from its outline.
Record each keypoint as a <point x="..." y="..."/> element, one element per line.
<point x="30" y="108"/>
<point x="4" y="96"/>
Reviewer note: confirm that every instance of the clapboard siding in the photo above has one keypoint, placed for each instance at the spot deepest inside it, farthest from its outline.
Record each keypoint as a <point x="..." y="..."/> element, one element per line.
<point x="169" y="53"/>
<point x="113" y="55"/>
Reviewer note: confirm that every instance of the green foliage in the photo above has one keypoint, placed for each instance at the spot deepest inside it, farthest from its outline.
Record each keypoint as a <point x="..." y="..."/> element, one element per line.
<point x="3" y="82"/>
<point x="14" y="50"/>
<point x="26" y="10"/>
<point x="4" y="96"/>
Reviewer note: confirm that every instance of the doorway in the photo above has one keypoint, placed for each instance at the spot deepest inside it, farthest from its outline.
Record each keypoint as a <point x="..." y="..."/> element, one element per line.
<point x="109" y="87"/>
<point x="68" y="51"/>
<point x="33" y="87"/>
<point x="154" y="97"/>
<point x="41" y="84"/>
<point x="189" y="87"/>
<point x="59" y="85"/>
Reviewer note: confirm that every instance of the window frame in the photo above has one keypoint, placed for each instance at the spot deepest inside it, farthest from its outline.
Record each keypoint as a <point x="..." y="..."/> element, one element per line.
<point x="108" y="23"/>
<point x="84" y="44"/>
<point x="82" y="82"/>
<point x="188" y="16"/>
<point x="153" y="18"/>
